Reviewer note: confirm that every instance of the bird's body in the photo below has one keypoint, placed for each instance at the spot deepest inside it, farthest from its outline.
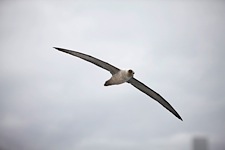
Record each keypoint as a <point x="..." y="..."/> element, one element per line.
<point x="121" y="76"/>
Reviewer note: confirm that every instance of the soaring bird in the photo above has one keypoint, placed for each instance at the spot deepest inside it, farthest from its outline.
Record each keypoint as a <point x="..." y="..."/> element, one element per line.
<point x="121" y="76"/>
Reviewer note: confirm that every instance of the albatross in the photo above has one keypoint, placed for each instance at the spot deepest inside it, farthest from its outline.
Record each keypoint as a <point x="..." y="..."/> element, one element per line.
<point x="120" y="76"/>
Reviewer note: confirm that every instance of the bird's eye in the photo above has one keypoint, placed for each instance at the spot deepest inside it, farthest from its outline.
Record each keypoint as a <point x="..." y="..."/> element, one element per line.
<point x="130" y="71"/>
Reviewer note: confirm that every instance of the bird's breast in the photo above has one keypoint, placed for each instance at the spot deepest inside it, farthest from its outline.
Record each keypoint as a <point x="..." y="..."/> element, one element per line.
<point x="120" y="77"/>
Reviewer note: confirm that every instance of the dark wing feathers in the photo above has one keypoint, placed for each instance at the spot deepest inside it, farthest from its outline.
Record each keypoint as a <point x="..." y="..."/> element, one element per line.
<point x="91" y="59"/>
<point x="133" y="81"/>
<point x="153" y="95"/>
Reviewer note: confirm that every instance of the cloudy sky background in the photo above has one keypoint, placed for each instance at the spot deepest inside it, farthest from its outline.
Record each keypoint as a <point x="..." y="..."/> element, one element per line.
<point x="48" y="100"/>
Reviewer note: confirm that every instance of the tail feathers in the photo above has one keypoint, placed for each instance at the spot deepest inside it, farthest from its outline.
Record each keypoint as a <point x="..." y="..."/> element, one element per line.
<point x="107" y="83"/>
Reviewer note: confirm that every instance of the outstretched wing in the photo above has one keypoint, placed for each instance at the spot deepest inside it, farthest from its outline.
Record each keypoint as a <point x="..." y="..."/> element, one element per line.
<point x="91" y="59"/>
<point x="153" y="95"/>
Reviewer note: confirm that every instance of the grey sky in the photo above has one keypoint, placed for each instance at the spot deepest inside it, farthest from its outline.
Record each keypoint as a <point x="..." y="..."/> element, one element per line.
<point x="48" y="100"/>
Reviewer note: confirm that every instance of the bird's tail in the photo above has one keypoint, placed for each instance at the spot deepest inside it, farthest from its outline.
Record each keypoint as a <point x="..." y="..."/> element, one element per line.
<point x="107" y="83"/>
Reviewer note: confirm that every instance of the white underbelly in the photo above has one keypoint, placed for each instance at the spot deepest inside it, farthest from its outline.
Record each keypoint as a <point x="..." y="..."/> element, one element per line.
<point x="119" y="78"/>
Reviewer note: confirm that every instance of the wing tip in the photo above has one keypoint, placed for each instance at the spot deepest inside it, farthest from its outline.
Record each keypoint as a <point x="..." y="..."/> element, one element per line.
<point x="62" y="49"/>
<point x="179" y="117"/>
<point x="57" y="48"/>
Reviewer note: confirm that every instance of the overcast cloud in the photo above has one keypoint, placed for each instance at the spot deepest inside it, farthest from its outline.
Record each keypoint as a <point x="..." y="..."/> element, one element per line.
<point x="48" y="100"/>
